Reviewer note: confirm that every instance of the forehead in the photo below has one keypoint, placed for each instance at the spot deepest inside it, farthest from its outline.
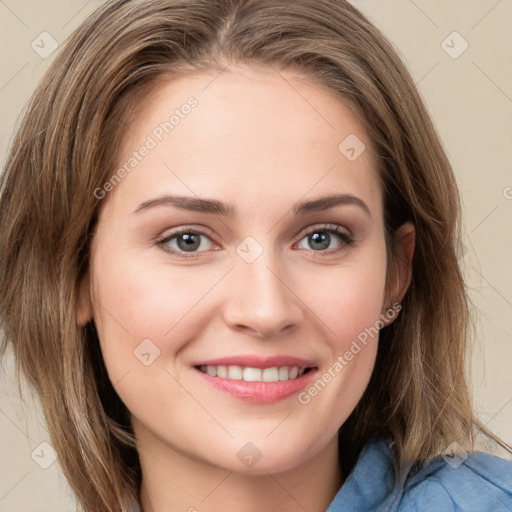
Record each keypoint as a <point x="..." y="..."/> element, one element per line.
<point x="250" y="134"/>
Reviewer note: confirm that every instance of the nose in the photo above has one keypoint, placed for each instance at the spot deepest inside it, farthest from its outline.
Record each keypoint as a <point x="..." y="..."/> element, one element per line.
<point x="260" y="299"/>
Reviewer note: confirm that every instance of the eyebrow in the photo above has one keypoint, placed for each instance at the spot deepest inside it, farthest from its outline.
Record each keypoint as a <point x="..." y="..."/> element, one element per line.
<point x="227" y="210"/>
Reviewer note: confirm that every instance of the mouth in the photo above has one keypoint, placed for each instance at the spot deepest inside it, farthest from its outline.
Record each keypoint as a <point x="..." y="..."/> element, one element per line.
<point x="257" y="380"/>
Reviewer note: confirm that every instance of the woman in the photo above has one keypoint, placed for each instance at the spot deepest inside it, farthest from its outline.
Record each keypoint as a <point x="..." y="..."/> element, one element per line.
<point x="219" y="221"/>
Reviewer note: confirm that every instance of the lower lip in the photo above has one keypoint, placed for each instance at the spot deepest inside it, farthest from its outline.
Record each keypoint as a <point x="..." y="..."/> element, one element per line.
<point x="258" y="392"/>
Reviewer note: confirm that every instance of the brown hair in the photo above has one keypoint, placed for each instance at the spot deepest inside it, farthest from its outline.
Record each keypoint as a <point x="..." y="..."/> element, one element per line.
<point x="66" y="148"/>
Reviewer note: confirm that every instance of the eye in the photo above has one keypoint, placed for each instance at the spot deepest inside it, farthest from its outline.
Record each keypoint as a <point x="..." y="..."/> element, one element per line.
<point x="187" y="242"/>
<point x="321" y="238"/>
<point x="184" y="241"/>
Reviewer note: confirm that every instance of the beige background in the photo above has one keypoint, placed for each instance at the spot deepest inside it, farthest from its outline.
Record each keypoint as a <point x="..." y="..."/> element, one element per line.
<point x="470" y="98"/>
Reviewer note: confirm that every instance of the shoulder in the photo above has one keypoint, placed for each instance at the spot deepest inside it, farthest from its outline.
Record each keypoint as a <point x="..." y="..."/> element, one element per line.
<point x="469" y="482"/>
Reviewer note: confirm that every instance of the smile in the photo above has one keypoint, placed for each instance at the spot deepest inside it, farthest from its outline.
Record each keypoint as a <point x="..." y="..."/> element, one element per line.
<point x="257" y="379"/>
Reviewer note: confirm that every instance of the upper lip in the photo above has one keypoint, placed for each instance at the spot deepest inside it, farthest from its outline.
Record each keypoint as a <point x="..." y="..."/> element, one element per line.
<point x="255" y="361"/>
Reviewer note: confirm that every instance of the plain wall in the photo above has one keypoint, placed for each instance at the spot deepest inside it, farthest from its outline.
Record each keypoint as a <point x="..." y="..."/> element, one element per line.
<point x="470" y="98"/>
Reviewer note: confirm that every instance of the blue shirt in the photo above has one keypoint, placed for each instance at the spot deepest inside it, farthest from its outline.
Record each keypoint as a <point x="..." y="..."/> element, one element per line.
<point x="479" y="483"/>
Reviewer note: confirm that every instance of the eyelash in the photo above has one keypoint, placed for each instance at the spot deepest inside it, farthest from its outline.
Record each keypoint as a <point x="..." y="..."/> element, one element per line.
<point x="332" y="229"/>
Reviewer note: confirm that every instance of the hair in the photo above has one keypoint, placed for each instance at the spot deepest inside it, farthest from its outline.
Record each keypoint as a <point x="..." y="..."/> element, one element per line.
<point x="418" y="396"/>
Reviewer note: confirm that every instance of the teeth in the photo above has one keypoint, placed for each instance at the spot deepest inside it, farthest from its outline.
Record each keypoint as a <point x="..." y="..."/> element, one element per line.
<point x="270" y="374"/>
<point x="283" y="373"/>
<point x="235" y="372"/>
<point x="252" y="374"/>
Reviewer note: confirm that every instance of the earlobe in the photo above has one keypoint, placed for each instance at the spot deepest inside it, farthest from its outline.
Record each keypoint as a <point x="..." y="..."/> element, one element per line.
<point x="83" y="309"/>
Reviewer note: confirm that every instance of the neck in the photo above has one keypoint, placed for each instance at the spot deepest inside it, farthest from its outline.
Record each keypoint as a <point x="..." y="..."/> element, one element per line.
<point x="174" y="482"/>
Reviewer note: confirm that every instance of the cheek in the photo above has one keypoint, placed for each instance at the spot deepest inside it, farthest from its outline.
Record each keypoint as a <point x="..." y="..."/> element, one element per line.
<point x="348" y="299"/>
<point x="349" y="308"/>
<point x="138" y="300"/>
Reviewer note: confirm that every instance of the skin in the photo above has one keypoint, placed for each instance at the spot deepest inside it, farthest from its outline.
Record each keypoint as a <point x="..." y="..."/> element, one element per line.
<point x="261" y="141"/>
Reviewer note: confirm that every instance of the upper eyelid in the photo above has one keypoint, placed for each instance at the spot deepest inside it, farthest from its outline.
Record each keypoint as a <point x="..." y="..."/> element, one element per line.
<point x="327" y="227"/>
<point x="202" y="230"/>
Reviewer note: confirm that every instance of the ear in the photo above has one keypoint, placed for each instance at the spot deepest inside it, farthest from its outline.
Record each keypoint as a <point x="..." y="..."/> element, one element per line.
<point x="400" y="271"/>
<point x="83" y="309"/>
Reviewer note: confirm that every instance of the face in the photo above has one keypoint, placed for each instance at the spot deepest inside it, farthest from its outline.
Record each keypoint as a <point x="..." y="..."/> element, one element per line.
<point x="226" y="293"/>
